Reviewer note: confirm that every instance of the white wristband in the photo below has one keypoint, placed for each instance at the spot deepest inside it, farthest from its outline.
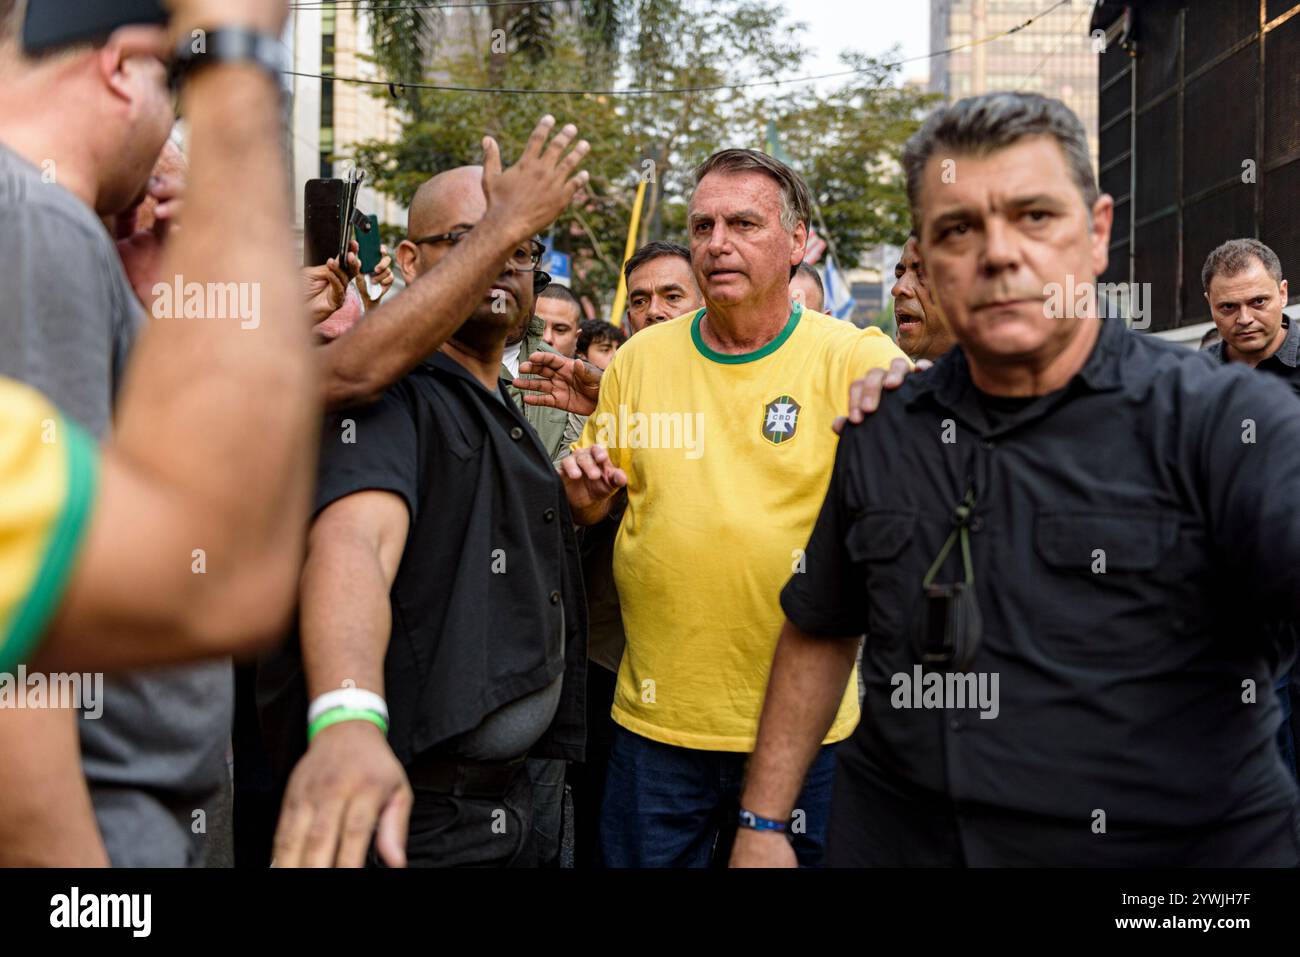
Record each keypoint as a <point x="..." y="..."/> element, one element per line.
<point x="356" y="698"/>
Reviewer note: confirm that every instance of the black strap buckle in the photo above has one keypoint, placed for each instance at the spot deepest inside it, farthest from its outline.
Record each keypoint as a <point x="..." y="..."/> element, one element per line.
<point x="948" y="627"/>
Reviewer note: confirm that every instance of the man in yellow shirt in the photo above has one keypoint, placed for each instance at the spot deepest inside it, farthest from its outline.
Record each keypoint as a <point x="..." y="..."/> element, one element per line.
<point x="719" y="424"/>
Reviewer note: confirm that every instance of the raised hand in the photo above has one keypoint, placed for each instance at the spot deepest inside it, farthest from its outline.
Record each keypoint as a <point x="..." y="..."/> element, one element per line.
<point x="530" y="195"/>
<point x="324" y="289"/>
<point x="561" y="383"/>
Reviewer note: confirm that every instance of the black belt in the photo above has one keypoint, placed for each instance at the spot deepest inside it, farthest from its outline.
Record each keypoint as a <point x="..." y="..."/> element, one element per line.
<point x="464" y="778"/>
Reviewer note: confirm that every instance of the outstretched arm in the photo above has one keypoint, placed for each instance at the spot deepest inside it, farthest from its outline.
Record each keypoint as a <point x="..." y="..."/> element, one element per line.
<point x="186" y="554"/>
<point x="559" y="382"/>
<point x="399" y="334"/>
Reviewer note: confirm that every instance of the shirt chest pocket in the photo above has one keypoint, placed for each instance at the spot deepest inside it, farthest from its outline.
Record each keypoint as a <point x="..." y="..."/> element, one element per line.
<point x="461" y="430"/>
<point x="1101" y="595"/>
<point x="886" y="567"/>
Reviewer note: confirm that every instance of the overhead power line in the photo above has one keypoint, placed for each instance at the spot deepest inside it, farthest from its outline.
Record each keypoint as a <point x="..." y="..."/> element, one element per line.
<point x="395" y="85"/>
<point x="370" y="5"/>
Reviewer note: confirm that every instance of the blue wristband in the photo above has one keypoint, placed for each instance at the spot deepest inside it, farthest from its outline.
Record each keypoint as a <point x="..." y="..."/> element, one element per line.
<point x="749" y="819"/>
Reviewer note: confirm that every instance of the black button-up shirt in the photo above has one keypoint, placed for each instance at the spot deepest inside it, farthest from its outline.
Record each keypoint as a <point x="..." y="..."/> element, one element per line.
<point x="1284" y="363"/>
<point x="1132" y="535"/>
<point x="488" y="578"/>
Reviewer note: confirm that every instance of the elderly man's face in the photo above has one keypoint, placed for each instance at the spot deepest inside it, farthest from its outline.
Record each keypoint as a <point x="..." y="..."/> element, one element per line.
<point x="740" y="252"/>
<point x="997" y="237"/>
<point x="1247" y="309"/>
<point x="923" y="331"/>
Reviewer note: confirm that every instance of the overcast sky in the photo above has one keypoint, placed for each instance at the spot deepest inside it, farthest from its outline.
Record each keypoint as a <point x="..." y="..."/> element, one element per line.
<point x="869" y="26"/>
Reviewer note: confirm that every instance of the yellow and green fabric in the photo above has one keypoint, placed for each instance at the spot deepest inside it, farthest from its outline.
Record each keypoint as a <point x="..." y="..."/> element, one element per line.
<point x="48" y="479"/>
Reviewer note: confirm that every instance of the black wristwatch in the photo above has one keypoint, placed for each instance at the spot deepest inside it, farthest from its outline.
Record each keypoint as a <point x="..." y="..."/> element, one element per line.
<point x="228" y="45"/>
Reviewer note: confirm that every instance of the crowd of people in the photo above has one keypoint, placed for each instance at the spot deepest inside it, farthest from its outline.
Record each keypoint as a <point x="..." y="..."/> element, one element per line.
<point x="750" y="584"/>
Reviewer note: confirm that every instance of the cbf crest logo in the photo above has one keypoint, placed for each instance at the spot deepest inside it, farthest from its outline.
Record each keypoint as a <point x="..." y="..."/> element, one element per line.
<point x="780" y="419"/>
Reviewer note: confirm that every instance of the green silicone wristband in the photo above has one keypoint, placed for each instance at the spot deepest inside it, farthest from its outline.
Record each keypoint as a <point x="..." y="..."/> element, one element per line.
<point x="339" y="715"/>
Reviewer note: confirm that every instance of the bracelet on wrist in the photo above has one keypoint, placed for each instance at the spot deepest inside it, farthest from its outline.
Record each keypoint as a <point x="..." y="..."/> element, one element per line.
<point x="339" y="715"/>
<point x="358" y="699"/>
<point x="754" y="822"/>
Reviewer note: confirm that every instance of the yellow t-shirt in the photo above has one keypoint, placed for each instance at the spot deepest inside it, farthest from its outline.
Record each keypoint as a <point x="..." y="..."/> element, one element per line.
<point x="728" y="458"/>
<point x="48" y="469"/>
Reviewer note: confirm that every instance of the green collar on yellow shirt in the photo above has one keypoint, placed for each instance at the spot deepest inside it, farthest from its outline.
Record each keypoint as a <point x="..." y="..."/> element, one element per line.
<point x="765" y="350"/>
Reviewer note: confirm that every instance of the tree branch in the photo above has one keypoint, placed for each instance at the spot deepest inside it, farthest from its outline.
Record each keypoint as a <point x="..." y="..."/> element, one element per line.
<point x="595" y="243"/>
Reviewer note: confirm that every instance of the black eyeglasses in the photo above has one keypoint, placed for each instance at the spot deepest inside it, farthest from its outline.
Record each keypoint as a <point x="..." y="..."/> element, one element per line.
<point x="525" y="258"/>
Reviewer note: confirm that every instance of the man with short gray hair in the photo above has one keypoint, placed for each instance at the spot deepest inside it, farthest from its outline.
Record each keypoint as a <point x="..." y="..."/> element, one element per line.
<point x="1067" y="573"/>
<point x="718" y="423"/>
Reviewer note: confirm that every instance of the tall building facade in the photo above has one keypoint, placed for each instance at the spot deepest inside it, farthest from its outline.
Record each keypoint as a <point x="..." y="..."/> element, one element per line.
<point x="1054" y="55"/>
<point x="329" y="117"/>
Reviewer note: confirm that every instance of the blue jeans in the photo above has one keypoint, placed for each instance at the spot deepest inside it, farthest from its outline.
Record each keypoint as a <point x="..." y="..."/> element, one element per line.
<point x="667" y="806"/>
<point x="547" y="778"/>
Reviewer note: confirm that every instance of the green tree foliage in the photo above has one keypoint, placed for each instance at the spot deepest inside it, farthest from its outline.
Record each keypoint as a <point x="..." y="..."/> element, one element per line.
<point x="403" y="40"/>
<point x="846" y="144"/>
<point x="845" y="141"/>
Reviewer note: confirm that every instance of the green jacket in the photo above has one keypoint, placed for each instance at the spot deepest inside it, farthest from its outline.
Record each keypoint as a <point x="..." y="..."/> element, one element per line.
<point x="557" y="428"/>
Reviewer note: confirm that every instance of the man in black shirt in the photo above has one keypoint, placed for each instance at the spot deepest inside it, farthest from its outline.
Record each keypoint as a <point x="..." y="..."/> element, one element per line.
<point x="442" y="569"/>
<point x="1243" y="284"/>
<point x="1065" y="570"/>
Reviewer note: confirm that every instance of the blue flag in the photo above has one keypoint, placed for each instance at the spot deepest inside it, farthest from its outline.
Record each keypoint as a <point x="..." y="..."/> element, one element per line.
<point x="839" y="301"/>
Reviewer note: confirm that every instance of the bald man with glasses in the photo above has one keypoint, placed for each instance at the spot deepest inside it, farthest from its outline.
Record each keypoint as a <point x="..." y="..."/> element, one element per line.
<point x="442" y="627"/>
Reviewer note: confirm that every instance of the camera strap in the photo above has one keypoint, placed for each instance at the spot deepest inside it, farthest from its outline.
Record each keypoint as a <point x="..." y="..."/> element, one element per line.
<point x="961" y="529"/>
<point x="948" y="627"/>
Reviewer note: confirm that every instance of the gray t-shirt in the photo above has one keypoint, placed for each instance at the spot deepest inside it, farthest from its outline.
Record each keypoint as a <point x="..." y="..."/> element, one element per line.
<point x="68" y="321"/>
